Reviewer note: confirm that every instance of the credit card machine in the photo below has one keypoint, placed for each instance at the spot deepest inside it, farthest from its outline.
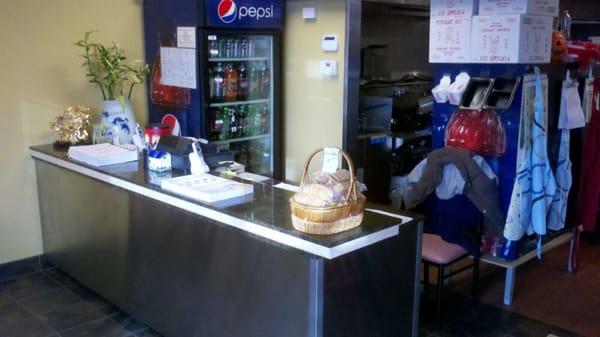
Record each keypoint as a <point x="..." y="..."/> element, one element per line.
<point x="181" y="147"/>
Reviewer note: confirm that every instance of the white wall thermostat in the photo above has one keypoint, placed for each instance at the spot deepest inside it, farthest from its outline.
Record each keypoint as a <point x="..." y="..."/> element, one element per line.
<point x="309" y="13"/>
<point x="329" y="42"/>
<point x="329" y="68"/>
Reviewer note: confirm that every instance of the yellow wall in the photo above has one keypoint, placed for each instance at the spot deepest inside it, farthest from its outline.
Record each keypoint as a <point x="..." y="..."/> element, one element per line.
<point x="40" y="75"/>
<point x="313" y="106"/>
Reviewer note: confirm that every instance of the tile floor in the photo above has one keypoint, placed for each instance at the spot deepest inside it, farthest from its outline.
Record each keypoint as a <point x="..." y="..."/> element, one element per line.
<point x="51" y="304"/>
<point x="546" y="292"/>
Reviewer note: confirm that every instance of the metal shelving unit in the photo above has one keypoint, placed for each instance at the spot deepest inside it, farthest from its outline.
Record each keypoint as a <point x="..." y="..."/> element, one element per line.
<point x="255" y="101"/>
<point x="241" y="139"/>
<point x="238" y="59"/>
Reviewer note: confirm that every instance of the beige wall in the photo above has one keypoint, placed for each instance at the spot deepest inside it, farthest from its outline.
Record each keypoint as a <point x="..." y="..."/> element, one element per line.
<point x="313" y="106"/>
<point x="40" y="76"/>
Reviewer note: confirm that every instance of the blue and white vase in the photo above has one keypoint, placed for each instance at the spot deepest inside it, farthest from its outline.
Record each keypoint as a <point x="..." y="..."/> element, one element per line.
<point x="118" y="120"/>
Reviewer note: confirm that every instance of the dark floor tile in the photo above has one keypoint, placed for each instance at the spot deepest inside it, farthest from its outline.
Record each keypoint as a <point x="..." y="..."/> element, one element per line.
<point x="88" y="295"/>
<point x="50" y="301"/>
<point x="5" y="298"/>
<point x="563" y="333"/>
<point x="32" y="327"/>
<point x="20" y="268"/>
<point x="69" y="317"/>
<point x="531" y="328"/>
<point x="148" y="333"/>
<point x="468" y="329"/>
<point x="29" y="286"/>
<point x="94" y="300"/>
<point x="102" y="328"/>
<point x="128" y="322"/>
<point x="13" y="312"/>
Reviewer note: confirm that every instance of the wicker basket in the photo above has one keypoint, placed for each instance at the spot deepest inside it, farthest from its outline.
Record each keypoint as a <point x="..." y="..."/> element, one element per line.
<point x="334" y="219"/>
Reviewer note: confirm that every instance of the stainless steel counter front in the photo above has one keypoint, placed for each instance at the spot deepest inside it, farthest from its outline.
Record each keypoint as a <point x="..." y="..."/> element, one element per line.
<point x="192" y="269"/>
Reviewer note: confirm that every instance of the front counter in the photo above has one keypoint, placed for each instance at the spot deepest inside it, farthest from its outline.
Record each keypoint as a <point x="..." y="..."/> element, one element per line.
<point x="188" y="268"/>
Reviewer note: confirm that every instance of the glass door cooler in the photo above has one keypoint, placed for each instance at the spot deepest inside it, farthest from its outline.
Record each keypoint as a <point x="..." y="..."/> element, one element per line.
<point x="241" y="103"/>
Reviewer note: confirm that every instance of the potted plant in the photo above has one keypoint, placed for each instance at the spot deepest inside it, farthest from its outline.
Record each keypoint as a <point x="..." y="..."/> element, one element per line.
<point x="108" y="68"/>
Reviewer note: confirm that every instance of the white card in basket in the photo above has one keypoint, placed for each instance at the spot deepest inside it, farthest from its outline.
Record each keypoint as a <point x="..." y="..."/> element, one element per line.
<point x="331" y="159"/>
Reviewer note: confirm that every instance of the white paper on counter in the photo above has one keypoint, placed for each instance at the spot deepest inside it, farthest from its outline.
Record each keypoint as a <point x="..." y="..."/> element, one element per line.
<point x="178" y="67"/>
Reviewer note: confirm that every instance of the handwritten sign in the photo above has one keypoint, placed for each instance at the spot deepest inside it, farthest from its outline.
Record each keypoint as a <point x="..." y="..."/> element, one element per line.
<point x="178" y="67"/>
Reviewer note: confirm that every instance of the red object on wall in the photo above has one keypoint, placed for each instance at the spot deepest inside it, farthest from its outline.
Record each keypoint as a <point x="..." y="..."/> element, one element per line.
<point x="165" y="95"/>
<point x="589" y="188"/>
<point x="480" y="131"/>
<point x="586" y="52"/>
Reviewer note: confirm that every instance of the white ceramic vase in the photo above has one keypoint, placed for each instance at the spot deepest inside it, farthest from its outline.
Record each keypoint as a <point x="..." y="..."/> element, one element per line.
<point x="118" y="120"/>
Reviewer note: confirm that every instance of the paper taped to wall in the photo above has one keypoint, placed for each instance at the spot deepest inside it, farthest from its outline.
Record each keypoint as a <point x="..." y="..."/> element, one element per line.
<point x="178" y="67"/>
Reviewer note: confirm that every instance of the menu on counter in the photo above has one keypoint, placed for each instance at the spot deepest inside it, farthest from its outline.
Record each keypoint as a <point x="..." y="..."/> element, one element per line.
<point x="102" y="154"/>
<point x="206" y="187"/>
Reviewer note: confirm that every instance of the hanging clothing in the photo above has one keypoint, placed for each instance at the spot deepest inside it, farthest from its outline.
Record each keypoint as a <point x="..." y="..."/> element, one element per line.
<point x="535" y="185"/>
<point x="452" y="183"/>
<point x="589" y="191"/>
<point x="571" y="117"/>
<point x="558" y="209"/>
<point x="479" y="188"/>
<point x="571" y="112"/>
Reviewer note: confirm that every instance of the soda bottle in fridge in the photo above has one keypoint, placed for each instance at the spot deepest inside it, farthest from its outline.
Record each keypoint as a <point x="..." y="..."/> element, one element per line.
<point x="217" y="84"/>
<point x="226" y="127"/>
<point x="264" y="82"/>
<point x="213" y="48"/>
<point x="228" y="48"/>
<point x="216" y="124"/>
<point x="233" y="122"/>
<point x="253" y="80"/>
<point x="264" y="120"/>
<point x="256" y="120"/>
<point x="243" y="48"/>
<point x="231" y="78"/>
<point x="243" y="129"/>
<point x="243" y="83"/>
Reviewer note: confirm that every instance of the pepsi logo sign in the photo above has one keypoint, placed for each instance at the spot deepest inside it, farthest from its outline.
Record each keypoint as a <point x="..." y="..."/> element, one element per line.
<point x="228" y="11"/>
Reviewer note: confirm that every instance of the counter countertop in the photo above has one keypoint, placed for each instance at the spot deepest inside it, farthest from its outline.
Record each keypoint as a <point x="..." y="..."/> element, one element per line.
<point x="266" y="214"/>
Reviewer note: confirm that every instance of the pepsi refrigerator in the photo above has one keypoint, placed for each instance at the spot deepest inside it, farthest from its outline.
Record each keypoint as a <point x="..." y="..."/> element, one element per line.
<point x="215" y="67"/>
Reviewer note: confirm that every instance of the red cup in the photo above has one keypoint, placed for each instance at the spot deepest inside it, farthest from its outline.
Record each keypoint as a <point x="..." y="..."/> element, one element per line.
<point x="153" y="132"/>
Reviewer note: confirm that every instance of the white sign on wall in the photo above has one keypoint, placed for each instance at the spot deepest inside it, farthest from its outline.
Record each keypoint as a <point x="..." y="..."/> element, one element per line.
<point x="178" y="67"/>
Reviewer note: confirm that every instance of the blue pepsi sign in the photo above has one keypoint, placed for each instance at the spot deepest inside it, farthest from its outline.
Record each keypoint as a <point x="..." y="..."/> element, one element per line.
<point x="244" y="13"/>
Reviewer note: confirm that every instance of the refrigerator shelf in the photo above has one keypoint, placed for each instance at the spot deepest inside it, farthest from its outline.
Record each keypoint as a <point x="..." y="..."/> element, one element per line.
<point x="237" y="59"/>
<point x="255" y="101"/>
<point x="241" y="139"/>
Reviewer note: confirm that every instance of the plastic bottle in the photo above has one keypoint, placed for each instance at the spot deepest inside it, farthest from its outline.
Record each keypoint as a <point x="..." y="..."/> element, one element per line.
<point x="253" y="79"/>
<point x="216" y="84"/>
<point x="231" y="77"/>
<point x="228" y="48"/>
<point x="243" y="132"/>
<point x="565" y="24"/>
<point x="216" y="124"/>
<point x="213" y="49"/>
<point x="243" y="83"/>
<point x="233" y="123"/>
<point x="243" y="48"/>
<point x="264" y="82"/>
<point x="226" y="128"/>
<point x="264" y="120"/>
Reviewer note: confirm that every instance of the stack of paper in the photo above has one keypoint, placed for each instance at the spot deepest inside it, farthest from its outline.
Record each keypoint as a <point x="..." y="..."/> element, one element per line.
<point x="102" y="154"/>
<point x="206" y="187"/>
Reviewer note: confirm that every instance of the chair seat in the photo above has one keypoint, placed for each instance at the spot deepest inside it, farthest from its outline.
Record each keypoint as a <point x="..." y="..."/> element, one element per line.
<point x="436" y="250"/>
